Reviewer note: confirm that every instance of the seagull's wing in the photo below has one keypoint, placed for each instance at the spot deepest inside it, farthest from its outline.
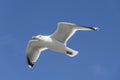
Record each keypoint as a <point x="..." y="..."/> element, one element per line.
<point x="33" y="51"/>
<point x="66" y="30"/>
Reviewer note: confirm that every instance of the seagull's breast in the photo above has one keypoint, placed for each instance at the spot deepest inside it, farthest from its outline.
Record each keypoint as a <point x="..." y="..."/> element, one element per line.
<point x="55" y="45"/>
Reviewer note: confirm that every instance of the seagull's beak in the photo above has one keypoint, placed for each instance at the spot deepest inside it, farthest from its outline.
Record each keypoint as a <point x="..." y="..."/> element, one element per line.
<point x="34" y="37"/>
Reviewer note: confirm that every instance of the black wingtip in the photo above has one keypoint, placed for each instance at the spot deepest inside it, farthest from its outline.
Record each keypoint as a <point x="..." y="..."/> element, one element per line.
<point x="95" y="28"/>
<point x="92" y="28"/>
<point x="30" y="64"/>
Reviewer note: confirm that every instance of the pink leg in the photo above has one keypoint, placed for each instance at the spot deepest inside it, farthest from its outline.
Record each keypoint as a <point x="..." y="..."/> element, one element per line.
<point x="68" y="52"/>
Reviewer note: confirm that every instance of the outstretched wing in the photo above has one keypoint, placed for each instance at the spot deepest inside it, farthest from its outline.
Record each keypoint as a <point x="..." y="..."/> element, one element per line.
<point x="66" y="30"/>
<point x="33" y="51"/>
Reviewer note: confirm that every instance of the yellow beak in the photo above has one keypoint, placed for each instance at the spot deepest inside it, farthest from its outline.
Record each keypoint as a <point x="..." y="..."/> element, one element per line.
<point x="34" y="37"/>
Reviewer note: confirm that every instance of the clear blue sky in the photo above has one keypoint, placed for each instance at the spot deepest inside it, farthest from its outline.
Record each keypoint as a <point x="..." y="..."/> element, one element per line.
<point x="99" y="52"/>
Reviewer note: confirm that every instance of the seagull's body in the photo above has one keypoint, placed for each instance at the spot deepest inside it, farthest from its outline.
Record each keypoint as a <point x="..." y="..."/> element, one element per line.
<point x="56" y="42"/>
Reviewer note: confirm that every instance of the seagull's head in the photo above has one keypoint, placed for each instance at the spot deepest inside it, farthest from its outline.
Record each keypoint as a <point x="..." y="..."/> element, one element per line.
<point x="37" y="37"/>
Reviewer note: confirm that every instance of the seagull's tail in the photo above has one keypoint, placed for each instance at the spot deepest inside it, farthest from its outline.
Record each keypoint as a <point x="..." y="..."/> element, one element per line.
<point x="71" y="52"/>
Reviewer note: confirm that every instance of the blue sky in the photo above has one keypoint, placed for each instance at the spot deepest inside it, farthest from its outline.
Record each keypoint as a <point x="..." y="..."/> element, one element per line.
<point x="99" y="51"/>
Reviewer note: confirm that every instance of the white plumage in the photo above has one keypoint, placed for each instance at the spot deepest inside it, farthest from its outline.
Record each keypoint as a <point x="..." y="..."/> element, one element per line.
<point x="56" y="42"/>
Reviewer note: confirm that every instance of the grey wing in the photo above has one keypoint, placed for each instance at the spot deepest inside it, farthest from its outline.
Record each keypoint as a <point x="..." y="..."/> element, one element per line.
<point x="33" y="52"/>
<point x="66" y="30"/>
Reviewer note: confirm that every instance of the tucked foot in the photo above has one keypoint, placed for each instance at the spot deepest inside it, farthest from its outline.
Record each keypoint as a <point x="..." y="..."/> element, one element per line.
<point x="71" y="52"/>
<point x="68" y="52"/>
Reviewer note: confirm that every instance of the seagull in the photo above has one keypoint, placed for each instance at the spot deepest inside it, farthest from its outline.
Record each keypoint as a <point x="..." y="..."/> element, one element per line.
<point x="56" y="42"/>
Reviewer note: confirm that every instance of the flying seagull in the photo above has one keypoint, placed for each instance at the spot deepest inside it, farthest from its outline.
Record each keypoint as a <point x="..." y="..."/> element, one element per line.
<point x="56" y="41"/>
